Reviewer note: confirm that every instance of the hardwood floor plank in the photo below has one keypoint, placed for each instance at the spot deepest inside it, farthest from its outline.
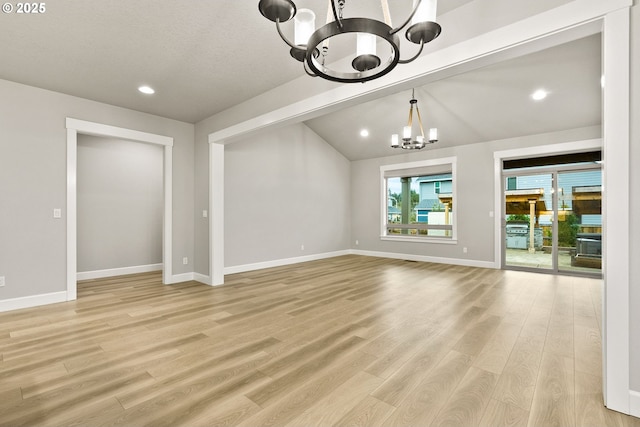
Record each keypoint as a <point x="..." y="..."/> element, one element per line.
<point x="496" y="352"/>
<point x="467" y="403"/>
<point x="554" y="399"/>
<point x="330" y="409"/>
<point x="422" y="404"/>
<point x="370" y="412"/>
<point x="500" y="414"/>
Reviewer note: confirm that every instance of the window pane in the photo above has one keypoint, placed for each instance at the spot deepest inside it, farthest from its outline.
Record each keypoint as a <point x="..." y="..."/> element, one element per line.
<point x="424" y="200"/>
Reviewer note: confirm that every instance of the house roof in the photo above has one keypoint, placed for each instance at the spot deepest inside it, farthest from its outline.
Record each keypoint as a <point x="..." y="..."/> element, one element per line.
<point x="427" y="204"/>
<point x="432" y="178"/>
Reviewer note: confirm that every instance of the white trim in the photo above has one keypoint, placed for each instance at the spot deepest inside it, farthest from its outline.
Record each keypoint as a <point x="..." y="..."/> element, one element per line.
<point x="419" y="164"/>
<point x="202" y="278"/>
<point x="75" y="126"/>
<point x="32" y="301"/>
<point x="409" y="239"/>
<point x="192" y="276"/>
<point x="72" y="239"/>
<point x="519" y="153"/>
<point x="182" y="277"/>
<point x="99" y="129"/>
<point x="615" y="211"/>
<point x="634" y="406"/>
<point x="216" y="214"/>
<point x="112" y="272"/>
<point x="167" y="217"/>
<point x="425" y="258"/>
<point x="285" y="261"/>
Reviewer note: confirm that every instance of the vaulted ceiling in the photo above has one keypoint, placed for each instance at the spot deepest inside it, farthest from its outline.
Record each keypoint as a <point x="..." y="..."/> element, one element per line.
<point x="204" y="57"/>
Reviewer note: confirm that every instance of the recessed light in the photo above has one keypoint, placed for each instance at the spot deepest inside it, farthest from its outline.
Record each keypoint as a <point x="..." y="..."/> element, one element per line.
<point x="146" y="90"/>
<point x="539" y="95"/>
<point x="364" y="133"/>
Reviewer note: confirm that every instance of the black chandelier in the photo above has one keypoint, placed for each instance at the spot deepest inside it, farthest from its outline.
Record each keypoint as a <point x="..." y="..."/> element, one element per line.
<point x="408" y="142"/>
<point x="311" y="46"/>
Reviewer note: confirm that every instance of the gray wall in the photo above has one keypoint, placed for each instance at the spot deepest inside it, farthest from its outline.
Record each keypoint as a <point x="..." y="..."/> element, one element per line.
<point x="284" y="189"/>
<point x="119" y="203"/>
<point x="33" y="182"/>
<point x="474" y="198"/>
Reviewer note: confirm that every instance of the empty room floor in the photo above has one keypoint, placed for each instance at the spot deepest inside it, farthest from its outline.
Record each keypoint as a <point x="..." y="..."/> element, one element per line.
<point x="350" y="340"/>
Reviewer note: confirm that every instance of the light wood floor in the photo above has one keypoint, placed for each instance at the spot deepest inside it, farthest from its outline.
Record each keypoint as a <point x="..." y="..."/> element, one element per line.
<point x="345" y="341"/>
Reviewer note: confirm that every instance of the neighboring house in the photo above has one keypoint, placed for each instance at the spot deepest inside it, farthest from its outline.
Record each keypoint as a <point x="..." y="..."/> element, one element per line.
<point x="393" y="214"/>
<point x="432" y="190"/>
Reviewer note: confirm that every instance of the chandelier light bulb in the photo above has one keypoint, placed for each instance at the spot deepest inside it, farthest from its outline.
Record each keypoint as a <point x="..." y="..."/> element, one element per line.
<point x="433" y="134"/>
<point x="366" y="44"/>
<point x="394" y="141"/>
<point x="426" y="11"/>
<point x="406" y="132"/>
<point x="304" y="26"/>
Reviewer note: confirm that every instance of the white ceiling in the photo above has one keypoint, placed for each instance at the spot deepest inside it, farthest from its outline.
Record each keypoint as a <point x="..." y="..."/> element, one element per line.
<point x="486" y="104"/>
<point x="204" y="57"/>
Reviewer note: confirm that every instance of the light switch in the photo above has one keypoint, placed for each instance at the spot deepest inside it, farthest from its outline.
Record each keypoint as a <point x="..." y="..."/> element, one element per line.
<point x="205" y="214"/>
<point x="57" y="213"/>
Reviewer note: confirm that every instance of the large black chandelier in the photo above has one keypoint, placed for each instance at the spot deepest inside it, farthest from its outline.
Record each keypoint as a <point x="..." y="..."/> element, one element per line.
<point x="311" y="46"/>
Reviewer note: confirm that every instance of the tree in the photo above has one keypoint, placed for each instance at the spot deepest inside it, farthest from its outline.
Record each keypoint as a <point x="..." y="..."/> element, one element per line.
<point x="568" y="230"/>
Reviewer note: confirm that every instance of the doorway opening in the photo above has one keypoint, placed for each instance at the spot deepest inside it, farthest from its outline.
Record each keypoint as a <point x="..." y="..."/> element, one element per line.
<point x="553" y="214"/>
<point x="75" y="127"/>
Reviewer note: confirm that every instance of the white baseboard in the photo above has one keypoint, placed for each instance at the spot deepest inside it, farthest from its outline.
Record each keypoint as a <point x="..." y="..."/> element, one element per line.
<point x="99" y="274"/>
<point x="634" y="403"/>
<point x="280" y="262"/>
<point x="425" y="258"/>
<point x="202" y="278"/>
<point x="32" y="301"/>
<point x="187" y="277"/>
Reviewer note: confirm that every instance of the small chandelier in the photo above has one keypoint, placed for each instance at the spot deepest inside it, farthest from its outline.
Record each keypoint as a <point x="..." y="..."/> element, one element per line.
<point x="311" y="46"/>
<point x="408" y="143"/>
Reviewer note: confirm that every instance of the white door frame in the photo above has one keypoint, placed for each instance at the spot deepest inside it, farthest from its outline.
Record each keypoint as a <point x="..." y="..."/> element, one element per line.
<point x="75" y="127"/>
<point x="555" y="26"/>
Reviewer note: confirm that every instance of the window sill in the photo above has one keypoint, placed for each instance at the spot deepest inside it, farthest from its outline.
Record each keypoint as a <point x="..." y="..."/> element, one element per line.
<point x="437" y="240"/>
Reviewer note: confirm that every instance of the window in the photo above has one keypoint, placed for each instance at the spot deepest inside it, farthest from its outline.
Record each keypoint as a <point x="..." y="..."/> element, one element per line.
<point x="418" y="201"/>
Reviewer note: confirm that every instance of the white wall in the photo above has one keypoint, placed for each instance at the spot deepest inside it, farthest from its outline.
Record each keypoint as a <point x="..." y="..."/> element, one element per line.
<point x="634" y="240"/>
<point x="474" y="199"/>
<point x="33" y="182"/>
<point x="283" y="189"/>
<point x="119" y="203"/>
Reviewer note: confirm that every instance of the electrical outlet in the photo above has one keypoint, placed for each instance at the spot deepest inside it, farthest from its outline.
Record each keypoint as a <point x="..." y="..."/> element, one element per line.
<point x="357" y="243"/>
<point x="1" y="280"/>
<point x="464" y="250"/>
<point x="302" y="247"/>
<point x="185" y="260"/>
<point x="205" y="214"/>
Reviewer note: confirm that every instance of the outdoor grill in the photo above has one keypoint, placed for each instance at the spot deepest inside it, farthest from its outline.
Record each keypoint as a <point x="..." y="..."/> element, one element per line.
<point x="518" y="236"/>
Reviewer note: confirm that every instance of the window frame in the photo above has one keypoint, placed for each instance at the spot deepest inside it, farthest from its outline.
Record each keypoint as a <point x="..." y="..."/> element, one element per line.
<point x="396" y="170"/>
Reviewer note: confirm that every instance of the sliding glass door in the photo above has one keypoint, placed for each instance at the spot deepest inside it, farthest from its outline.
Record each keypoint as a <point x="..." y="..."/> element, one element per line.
<point x="529" y="213"/>
<point x="553" y="219"/>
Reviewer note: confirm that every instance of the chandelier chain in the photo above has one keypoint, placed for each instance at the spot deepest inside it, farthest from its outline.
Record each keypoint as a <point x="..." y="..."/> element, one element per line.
<point x="386" y="13"/>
